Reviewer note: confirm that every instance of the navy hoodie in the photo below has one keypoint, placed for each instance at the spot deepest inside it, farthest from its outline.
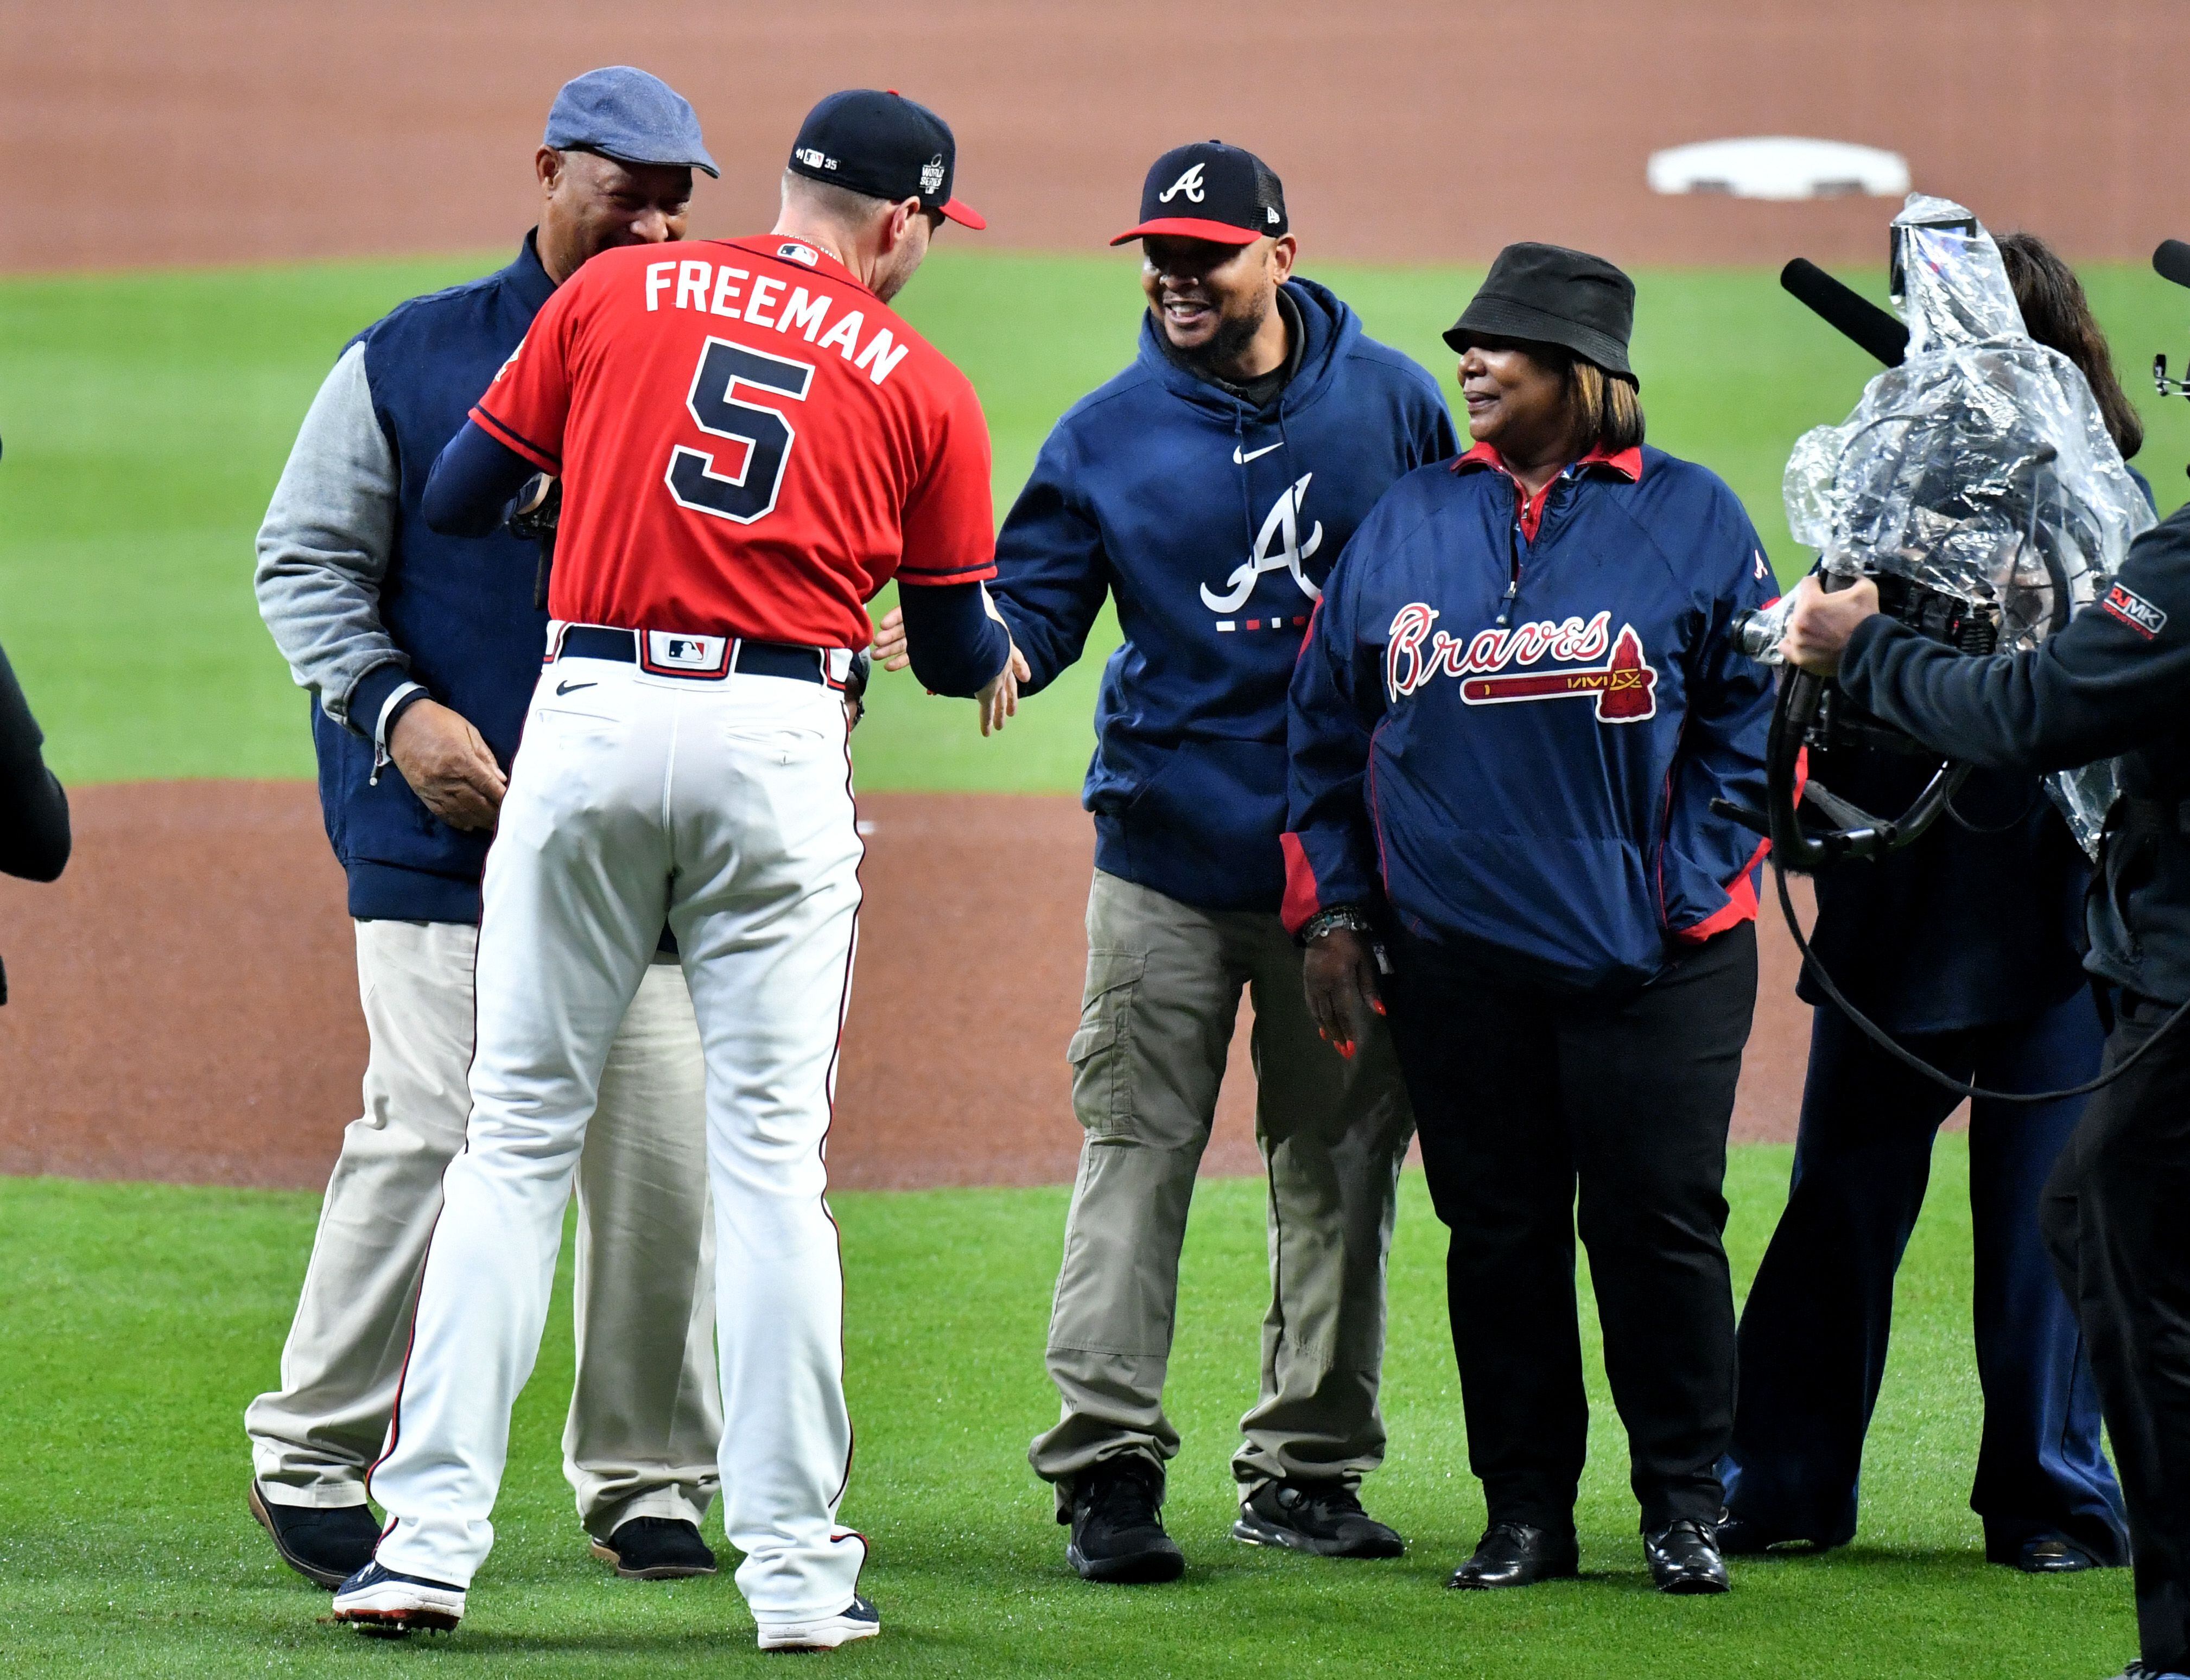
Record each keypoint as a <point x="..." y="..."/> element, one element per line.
<point x="1213" y="526"/>
<point x="1514" y="737"/>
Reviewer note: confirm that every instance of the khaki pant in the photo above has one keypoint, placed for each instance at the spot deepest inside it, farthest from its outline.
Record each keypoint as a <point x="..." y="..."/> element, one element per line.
<point x="1163" y="980"/>
<point x="645" y="1415"/>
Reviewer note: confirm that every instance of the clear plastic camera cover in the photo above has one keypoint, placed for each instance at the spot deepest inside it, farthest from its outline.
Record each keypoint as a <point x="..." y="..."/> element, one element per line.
<point x="1981" y="467"/>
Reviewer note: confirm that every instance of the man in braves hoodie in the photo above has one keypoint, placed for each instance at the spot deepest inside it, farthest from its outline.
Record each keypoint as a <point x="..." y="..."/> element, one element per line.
<point x="1207" y="490"/>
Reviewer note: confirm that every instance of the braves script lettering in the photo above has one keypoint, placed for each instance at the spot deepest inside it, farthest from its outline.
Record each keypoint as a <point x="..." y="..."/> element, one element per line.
<point x="1624" y="688"/>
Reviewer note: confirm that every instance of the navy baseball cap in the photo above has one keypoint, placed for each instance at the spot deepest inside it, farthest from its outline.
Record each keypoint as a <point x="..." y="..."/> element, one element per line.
<point x="880" y="143"/>
<point x="626" y="115"/>
<point x="1211" y="190"/>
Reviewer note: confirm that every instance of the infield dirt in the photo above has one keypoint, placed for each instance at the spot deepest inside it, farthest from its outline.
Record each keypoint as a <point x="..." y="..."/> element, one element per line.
<point x="184" y="1001"/>
<point x="223" y="131"/>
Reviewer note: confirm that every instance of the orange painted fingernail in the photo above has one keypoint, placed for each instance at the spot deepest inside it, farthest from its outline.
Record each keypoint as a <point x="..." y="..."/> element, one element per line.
<point x="1345" y="1050"/>
<point x="1378" y="1005"/>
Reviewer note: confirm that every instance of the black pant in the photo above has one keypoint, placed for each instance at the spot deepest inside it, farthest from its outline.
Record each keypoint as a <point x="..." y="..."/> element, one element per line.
<point x="2116" y="1217"/>
<point x="1814" y="1331"/>
<point x="1521" y="1093"/>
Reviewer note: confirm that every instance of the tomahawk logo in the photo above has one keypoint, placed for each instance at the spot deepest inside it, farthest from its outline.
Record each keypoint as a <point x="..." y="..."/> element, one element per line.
<point x="1624" y="688"/>
<point x="1189" y="184"/>
<point x="931" y="175"/>
<point x="1278" y="548"/>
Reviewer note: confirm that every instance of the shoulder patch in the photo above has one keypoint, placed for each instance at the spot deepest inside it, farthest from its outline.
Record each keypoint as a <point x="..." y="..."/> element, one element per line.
<point x="2134" y="611"/>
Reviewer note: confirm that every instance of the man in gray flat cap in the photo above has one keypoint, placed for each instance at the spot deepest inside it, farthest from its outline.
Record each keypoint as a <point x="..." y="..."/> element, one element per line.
<point x="421" y="652"/>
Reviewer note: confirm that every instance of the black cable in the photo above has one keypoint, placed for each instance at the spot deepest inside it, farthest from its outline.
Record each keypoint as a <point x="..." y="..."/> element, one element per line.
<point x="1886" y="1041"/>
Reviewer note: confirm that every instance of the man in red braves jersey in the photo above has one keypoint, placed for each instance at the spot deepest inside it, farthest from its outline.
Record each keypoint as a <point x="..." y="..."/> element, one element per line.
<point x="751" y="443"/>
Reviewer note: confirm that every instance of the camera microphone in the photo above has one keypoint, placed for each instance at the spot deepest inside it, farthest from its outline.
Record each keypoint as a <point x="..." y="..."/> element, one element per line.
<point x="2171" y="262"/>
<point x="1871" y="328"/>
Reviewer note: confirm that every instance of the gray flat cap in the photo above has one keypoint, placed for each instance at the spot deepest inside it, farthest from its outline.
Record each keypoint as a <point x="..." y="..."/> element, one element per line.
<point x="629" y="115"/>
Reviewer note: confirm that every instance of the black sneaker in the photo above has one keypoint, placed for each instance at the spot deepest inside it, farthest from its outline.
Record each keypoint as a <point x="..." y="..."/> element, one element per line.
<point x="1327" y="1520"/>
<point x="656" y="1548"/>
<point x="327" y="1545"/>
<point x="1684" y="1557"/>
<point x="1517" y="1554"/>
<point x="1117" y="1534"/>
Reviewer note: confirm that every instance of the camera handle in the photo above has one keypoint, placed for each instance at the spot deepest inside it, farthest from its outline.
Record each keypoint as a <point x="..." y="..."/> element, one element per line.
<point x="1854" y="835"/>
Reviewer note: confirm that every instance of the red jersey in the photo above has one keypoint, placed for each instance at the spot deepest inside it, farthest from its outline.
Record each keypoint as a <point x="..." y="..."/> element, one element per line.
<point x="750" y="444"/>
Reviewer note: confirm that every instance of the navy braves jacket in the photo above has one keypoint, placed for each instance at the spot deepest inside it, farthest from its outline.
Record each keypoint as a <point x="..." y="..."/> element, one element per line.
<point x="1513" y="736"/>
<point x="369" y="605"/>
<point x="1213" y="526"/>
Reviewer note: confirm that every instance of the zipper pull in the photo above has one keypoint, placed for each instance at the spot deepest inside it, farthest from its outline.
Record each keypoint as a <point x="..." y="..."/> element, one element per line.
<point x="1506" y="602"/>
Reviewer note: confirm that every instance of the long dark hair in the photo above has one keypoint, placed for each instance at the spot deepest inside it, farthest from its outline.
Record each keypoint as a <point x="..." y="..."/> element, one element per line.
<point x="2055" y="313"/>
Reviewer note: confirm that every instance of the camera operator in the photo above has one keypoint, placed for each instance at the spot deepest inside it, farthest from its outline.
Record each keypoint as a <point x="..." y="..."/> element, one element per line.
<point x="34" y="840"/>
<point x="1996" y="997"/>
<point x="2114" y="681"/>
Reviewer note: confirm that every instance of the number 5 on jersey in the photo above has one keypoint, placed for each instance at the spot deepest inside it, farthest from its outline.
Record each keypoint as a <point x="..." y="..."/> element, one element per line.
<point x="767" y="436"/>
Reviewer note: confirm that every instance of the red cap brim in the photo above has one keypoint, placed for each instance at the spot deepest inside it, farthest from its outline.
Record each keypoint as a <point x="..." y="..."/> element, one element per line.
<point x="964" y="215"/>
<point x="1185" y="227"/>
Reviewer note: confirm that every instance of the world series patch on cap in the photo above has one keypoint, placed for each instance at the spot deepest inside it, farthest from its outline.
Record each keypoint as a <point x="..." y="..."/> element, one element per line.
<point x="1210" y="191"/>
<point x="881" y="143"/>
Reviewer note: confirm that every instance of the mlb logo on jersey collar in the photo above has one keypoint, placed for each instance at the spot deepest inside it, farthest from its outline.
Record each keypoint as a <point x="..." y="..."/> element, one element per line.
<point x="672" y="652"/>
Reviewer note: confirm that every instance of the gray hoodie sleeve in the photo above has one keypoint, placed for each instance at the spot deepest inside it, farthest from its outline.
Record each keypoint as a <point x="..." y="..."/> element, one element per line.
<point x="324" y="547"/>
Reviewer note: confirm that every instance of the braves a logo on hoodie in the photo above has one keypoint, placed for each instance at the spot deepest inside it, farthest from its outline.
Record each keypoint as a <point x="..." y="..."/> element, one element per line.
<point x="1624" y="688"/>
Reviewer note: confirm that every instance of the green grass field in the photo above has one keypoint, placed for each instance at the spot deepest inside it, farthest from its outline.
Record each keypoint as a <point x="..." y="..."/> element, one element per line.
<point x="146" y="418"/>
<point x="138" y="1319"/>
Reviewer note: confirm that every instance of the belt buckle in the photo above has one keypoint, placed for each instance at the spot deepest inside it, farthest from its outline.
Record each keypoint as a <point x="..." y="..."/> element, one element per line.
<point x="673" y="652"/>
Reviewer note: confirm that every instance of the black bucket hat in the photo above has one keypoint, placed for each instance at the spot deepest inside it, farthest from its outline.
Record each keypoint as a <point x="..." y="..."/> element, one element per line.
<point x="1549" y="295"/>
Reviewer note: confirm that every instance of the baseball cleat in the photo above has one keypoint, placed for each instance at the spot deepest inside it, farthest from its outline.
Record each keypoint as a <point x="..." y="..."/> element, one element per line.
<point x="858" y="1619"/>
<point x="656" y="1548"/>
<point x="324" y="1544"/>
<point x="379" y="1601"/>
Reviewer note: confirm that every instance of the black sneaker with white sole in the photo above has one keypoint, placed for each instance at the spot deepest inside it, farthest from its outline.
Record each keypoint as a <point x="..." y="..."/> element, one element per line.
<point x="858" y="1619"/>
<point x="1326" y="1520"/>
<point x="379" y="1601"/>
<point x="656" y="1548"/>
<point x="1117" y="1531"/>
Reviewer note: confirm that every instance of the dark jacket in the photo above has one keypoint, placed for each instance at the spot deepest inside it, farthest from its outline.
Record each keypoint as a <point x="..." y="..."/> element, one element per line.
<point x="1541" y="790"/>
<point x="2116" y="680"/>
<point x="1213" y="527"/>
<point x="34" y="813"/>
<point x="364" y="598"/>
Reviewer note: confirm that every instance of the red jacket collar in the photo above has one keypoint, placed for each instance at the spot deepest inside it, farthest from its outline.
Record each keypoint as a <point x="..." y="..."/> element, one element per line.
<point x="1627" y="463"/>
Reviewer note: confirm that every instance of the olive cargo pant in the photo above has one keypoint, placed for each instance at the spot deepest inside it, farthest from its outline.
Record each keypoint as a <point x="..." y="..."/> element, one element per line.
<point x="1163" y="980"/>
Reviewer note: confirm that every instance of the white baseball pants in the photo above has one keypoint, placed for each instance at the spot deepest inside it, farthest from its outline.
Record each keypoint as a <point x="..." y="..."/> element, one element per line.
<point x="726" y="804"/>
<point x="644" y="1420"/>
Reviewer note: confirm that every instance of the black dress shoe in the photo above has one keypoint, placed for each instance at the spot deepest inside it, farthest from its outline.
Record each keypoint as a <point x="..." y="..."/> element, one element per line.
<point x="1517" y="1554"/>
<point x="2053" y="1554"/>
<point x="656" y="1548"/>
<point x="1117" y="1533"/>
<point x="326" y="1544"/>
<point x="1326" y="1520"/>
<point x="1684" y="1557"/>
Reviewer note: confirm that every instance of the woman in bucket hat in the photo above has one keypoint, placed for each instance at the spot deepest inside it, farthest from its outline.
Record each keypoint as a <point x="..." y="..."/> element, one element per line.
<point x="1516" y="708"/>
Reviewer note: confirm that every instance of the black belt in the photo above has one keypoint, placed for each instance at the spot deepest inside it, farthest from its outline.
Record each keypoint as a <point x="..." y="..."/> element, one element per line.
<point x="750" y="659"/>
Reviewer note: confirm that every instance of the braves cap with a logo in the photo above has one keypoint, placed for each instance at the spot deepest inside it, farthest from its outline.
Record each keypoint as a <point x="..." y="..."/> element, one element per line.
<point x="1211" y="190"/>
<point x="626" y="115"/>
<point x="884" y="146"/>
